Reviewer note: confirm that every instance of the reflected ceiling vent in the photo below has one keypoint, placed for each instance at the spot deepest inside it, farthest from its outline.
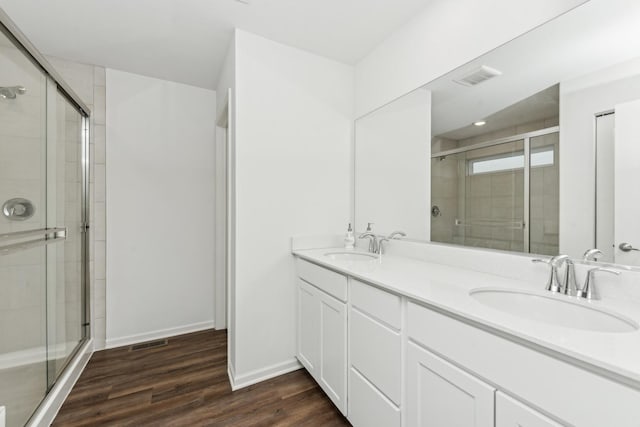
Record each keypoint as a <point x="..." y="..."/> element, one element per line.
<point x="477" y="76"/>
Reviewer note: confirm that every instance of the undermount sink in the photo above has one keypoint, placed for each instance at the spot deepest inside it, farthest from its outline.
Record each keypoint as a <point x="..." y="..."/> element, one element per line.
<point x="557" y="310"/>
<point x="350" y="256"/>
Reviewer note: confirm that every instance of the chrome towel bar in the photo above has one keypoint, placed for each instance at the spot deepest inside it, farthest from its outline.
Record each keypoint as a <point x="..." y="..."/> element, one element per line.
<point x="31" y="233"/>
<point x="49" y="235"/>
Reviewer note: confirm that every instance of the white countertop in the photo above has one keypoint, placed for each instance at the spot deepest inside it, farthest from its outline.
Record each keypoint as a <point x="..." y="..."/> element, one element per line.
<point x="447" y="288"/>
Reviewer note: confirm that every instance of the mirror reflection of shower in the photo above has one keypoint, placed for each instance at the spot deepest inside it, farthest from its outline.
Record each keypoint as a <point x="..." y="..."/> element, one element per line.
<point x="10" y="92"/>
<point x="497" y="185"/>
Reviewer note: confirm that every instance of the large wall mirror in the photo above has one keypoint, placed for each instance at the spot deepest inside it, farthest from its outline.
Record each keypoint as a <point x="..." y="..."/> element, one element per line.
<point x="533" y="147"/>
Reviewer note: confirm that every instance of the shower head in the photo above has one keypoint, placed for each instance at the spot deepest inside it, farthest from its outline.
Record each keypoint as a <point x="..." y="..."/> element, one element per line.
<point x="10" y="92"/>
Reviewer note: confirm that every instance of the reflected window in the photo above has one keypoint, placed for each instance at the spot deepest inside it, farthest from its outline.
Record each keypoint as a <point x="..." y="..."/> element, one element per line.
<point x="543" y="156"/>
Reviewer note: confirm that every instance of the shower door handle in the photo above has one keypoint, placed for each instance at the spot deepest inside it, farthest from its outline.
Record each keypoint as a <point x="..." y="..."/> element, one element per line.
<point x="57" y="231"/>
<point x="47" y="236"/>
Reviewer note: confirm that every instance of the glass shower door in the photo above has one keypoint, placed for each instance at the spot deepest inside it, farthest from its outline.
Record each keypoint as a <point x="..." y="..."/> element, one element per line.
<point x="43" y="181"/>
<point x="66" y="317"/>
<point x="23" y="217"/>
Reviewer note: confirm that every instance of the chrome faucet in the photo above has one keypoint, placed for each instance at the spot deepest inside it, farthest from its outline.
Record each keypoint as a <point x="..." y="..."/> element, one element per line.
<point x="569" y="286"/>
<point x="373" y="241"/>
<point x="589" y="291"/>
<point x="553" y="284"/>
<point x="591" y="255"/>
<point x="394" y="235"/>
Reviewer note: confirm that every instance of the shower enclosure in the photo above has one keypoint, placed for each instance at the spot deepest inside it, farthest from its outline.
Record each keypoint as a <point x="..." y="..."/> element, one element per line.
<point x="500" y="194"/>
<point x="43" y="232"/>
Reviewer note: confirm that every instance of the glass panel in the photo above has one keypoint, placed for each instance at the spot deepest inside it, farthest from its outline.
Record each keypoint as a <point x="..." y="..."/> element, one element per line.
<point x="22" y="274"/>
<point x="65" y="301"/>
<point x="478" y="197"/>
<point x="542" y="156"/>
<point x="544" y="196"/>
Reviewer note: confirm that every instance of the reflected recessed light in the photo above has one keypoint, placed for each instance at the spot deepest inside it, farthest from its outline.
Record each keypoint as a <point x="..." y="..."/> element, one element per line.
<point x="479" y="123"/>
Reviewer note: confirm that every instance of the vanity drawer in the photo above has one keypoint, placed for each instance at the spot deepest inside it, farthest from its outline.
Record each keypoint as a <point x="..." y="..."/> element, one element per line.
<point x="376" y="352"/>
<point x="329" y="281"/>
<point x="367" y="406"/>
<point x="381" y="305"/>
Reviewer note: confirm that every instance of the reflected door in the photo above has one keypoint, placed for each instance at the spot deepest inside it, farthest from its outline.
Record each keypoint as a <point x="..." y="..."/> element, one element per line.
<point x="626" y="172"/>
<point x="605" y="204"/>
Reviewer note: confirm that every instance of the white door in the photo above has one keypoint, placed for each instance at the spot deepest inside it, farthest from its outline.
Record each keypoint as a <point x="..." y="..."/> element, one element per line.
<point x="308" y="326"/>
<point x="442" y="395"/>
<point x="627" y="174"/>
<point x="511" y="413"/>
<point x="333" y="350"/>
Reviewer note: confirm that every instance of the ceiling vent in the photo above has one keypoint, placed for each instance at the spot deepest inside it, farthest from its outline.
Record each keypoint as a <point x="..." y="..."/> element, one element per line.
<point x="477" y="76"/>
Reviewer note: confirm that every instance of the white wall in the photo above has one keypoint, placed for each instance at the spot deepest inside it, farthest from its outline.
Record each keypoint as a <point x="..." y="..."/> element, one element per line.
<point x="294" y="118"/>
<point x="160" y="207"/>
<point x="393" y="154"/>
<point x="445" y="35"/>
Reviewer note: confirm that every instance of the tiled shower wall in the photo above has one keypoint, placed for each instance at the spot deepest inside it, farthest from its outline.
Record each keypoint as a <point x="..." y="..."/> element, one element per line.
<point x="88" y="81"/>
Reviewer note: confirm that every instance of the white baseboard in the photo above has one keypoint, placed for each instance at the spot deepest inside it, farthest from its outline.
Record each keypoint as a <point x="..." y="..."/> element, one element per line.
<point x="259" y="375"/>
<point x="154" y="335"/>
<point x="49" y="408"/>
<point x="231" y="372"/>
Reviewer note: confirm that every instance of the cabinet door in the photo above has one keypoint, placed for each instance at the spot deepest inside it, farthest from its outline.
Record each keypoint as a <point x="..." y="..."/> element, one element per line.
<point x="333" y="350"/>
<point x="442" y="395"/>
<point x="511" y="413"/>
<point x="308" y="326"/>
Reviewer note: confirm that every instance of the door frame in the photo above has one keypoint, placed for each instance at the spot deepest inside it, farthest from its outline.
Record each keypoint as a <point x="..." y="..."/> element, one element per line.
<point x="222" y="218"/>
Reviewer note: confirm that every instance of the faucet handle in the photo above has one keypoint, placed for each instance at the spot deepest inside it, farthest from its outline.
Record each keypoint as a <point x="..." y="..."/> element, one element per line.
<point x="369" y="226"/>
<point x="373" y="241"/>
<point x="591" y="254"/>
<point x="545" y="261"/>
<point x="589" y="291"/>
<point x="558" y="260"/>
<point x="397" y="234"/>
<point x="553" y="284"/>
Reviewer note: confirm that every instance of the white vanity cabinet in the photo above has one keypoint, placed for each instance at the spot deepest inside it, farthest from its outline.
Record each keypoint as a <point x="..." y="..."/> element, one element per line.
<point x="511" y="413"/>
<point x="375" y="354"/>
<point x="440" y="394"/>
<point x="322" y="329"/>
<point x="388" y="360"/>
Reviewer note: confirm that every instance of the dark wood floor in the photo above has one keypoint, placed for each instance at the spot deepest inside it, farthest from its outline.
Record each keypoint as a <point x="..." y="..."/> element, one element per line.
<point x="185" y="383"/>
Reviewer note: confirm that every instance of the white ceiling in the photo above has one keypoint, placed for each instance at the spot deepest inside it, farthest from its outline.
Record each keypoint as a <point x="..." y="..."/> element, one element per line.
<point x="540" y="106"/>
<point x="594" y="36"/>
<point x="186" y="40"/>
